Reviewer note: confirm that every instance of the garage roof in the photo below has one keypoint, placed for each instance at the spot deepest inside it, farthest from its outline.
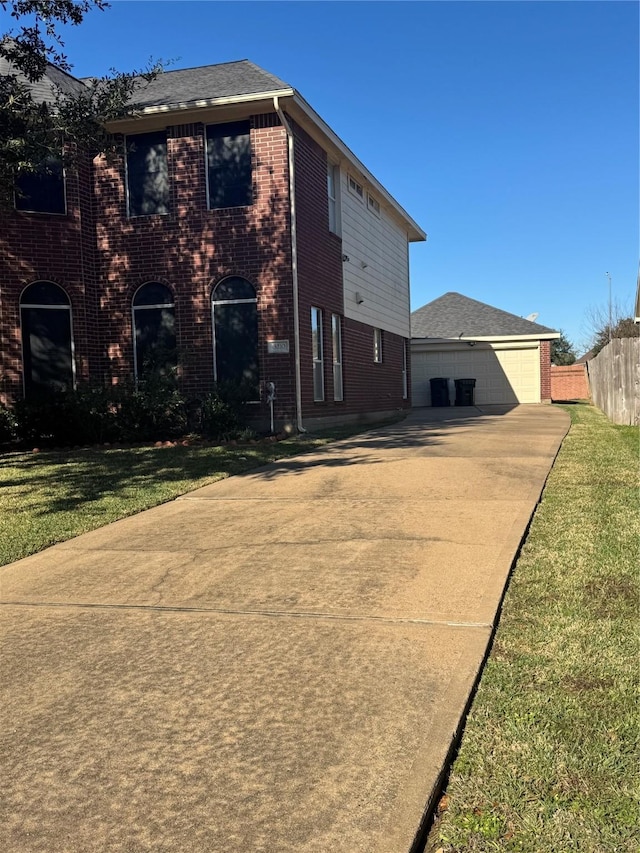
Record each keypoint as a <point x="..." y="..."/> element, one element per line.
<point x="456" y="316"/>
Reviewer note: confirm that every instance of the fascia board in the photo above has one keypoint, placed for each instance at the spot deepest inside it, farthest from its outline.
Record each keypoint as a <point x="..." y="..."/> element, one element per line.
<point x="311" y="121"/>
<point x="489" y="339"/>
<point x="193" y="109"/>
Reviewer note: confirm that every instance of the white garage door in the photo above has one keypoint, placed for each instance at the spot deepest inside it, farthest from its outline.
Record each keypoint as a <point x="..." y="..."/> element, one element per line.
<point x="506" y="376"/>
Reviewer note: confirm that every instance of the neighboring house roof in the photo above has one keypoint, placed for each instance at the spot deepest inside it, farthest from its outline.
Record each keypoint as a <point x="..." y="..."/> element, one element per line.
<point x="585" y="358"/>
<point x="55" y="81"/>
<point x="455" y="316"/>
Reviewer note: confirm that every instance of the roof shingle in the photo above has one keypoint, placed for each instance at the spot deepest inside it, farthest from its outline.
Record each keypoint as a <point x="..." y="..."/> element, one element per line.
<point x="456" y="316"/>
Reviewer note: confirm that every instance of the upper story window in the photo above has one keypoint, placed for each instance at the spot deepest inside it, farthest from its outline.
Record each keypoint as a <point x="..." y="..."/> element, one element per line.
<point x="148" y="174"/>
<point x="333" y="183"/>
<point x="373" y="204"/>
<point x="356" y="188"/>
<point x="229" y="175"/>
<point x="42" y="191"/>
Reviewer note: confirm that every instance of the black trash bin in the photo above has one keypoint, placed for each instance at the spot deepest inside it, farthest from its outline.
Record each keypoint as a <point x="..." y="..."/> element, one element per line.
<point x="464" y="392"/>
<point x="439" y="392"/>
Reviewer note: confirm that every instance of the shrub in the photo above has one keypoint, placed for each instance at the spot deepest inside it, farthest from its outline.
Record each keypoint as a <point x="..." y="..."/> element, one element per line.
<point x="8" y="425"/>
<point x="223" y="411"/>
<point x="82" y="416"/>
<point x="154" y="410"/>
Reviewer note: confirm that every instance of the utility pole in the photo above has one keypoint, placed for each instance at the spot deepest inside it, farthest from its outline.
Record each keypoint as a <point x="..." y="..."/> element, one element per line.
<point x="610" y="319"/>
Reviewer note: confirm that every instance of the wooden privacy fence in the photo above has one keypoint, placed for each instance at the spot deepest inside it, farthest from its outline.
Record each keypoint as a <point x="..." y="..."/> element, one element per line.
<point x="614" y="376"/>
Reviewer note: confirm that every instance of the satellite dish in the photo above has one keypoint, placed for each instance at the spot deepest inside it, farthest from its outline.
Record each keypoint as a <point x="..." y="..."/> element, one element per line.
<point x="533" y="317"/>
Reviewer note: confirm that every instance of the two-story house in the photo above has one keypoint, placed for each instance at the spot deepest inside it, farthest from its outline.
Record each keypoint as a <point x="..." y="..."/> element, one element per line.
<point x="237" y="238"/>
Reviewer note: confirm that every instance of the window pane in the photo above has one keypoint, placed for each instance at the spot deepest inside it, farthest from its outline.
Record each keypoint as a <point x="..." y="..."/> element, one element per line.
<point x="46" y="337"/>
<point x="156" y="350"/>
<point x="236" y="344"/>
<point x="148" y="174"/>
<point x="229" y="165"/>
<point x="153" y="293"/>
<point x="44" y="293"/>
<point x="317" y="353"/>
<point x="233" y="288"/>
<point x="42" y="191"/>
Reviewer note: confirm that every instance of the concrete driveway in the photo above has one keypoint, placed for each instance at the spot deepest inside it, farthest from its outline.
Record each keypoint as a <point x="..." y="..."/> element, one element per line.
<point x="278" y="662"/>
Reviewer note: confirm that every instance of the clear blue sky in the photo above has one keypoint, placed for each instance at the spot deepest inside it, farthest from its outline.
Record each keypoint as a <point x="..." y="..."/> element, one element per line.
<point x="508" y="130"/>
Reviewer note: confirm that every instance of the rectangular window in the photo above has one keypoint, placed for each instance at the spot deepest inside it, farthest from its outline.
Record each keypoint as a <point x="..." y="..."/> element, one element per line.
<point x="373" y="204"/>
<point x="42" y="191"/>
<point x="336" y="342"/>
<point x="318" y="360"/>
<point x="229" y="175"/>
<point x="333" y="182"/>
<point x="405" y="386"/>
<point x="148" y="174"/>
<point x="377" y="346"/>
<point x="356" y="188"/>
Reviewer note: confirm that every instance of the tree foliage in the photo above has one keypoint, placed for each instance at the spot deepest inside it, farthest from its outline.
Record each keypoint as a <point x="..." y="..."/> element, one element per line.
<point x="562" y="350"/>
<point x="623" y="327"/>
<point x="607" y="322"/>
<point x="32" y="129"/>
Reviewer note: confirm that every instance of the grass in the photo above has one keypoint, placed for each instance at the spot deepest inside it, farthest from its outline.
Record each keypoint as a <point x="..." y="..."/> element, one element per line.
<point x="548" y="758"/>
<point x="49" y="497"/>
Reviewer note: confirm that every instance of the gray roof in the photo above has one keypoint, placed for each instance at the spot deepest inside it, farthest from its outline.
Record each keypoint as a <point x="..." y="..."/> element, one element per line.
<point x="207" y="82"/>
<point x="45" y="90"/>
<point x="226" y="80"/>
<point x="454" y="315"/>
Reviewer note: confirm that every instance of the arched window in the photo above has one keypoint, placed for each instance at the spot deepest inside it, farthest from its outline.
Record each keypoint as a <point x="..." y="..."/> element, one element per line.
<point x="235" y="333"/>
<point x="154" y="327"/>
<point x="47" y="343"/>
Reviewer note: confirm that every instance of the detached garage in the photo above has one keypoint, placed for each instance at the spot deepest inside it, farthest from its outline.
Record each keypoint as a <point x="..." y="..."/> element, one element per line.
<point x="455" y="337"/>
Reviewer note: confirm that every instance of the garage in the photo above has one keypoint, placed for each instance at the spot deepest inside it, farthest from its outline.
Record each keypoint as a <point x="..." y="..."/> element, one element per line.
<point x="455" y="337"/>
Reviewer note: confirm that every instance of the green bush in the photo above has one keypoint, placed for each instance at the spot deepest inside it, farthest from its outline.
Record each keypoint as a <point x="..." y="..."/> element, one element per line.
<point x="154" y="410"/>
<point x="8" y="425"/>
<point x="63" y="418"/>
<point x="223" y="411"/>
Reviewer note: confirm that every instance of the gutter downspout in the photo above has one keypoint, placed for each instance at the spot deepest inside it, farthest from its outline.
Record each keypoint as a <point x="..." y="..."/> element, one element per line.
<point x="294" y="261"/>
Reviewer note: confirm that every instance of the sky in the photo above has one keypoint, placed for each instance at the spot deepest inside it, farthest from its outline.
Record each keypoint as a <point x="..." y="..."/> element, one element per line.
<point x="507" y="130"/>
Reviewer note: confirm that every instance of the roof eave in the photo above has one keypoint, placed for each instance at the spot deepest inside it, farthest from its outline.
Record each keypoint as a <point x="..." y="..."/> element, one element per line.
<point x="204" y="103"/>
<point x="534" y="336"/>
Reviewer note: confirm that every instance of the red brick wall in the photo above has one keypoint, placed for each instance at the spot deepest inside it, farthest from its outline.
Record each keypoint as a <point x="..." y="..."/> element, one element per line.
<point x="101" y="256"/>
<point x="40" y="246"/>
<point x="545" y="371"/>
<point x="569" y="382"/>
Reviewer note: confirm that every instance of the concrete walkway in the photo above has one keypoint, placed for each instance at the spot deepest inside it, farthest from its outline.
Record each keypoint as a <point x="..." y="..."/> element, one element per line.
<point x="274" y="663"/>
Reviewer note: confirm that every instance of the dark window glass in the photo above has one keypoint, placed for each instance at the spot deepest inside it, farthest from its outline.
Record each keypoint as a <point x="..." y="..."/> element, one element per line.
<point x="229" y="164"/>
<point x="236" y="334"/>
<point x="148" y="174"/>
<point x="153" y="293"/>
<point x="155" y="332"/>
<point x="46" y="339"/>
<point x="42" y="191"/>
<point x="234" y="287"/>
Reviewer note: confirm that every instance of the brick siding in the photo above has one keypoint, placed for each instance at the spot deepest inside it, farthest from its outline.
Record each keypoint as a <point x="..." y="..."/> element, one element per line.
<point x="545" y="371"/>
<point x="100" y="257"/>
<point x="569" y="382"/>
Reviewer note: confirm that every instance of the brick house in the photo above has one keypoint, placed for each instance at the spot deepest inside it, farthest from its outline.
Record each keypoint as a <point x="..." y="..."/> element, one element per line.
<point x="237" y="238"/>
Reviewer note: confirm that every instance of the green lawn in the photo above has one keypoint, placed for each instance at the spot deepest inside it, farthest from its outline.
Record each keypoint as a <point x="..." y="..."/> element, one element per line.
<point x="51" y="496"/>
<point x="549" y="756"/>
